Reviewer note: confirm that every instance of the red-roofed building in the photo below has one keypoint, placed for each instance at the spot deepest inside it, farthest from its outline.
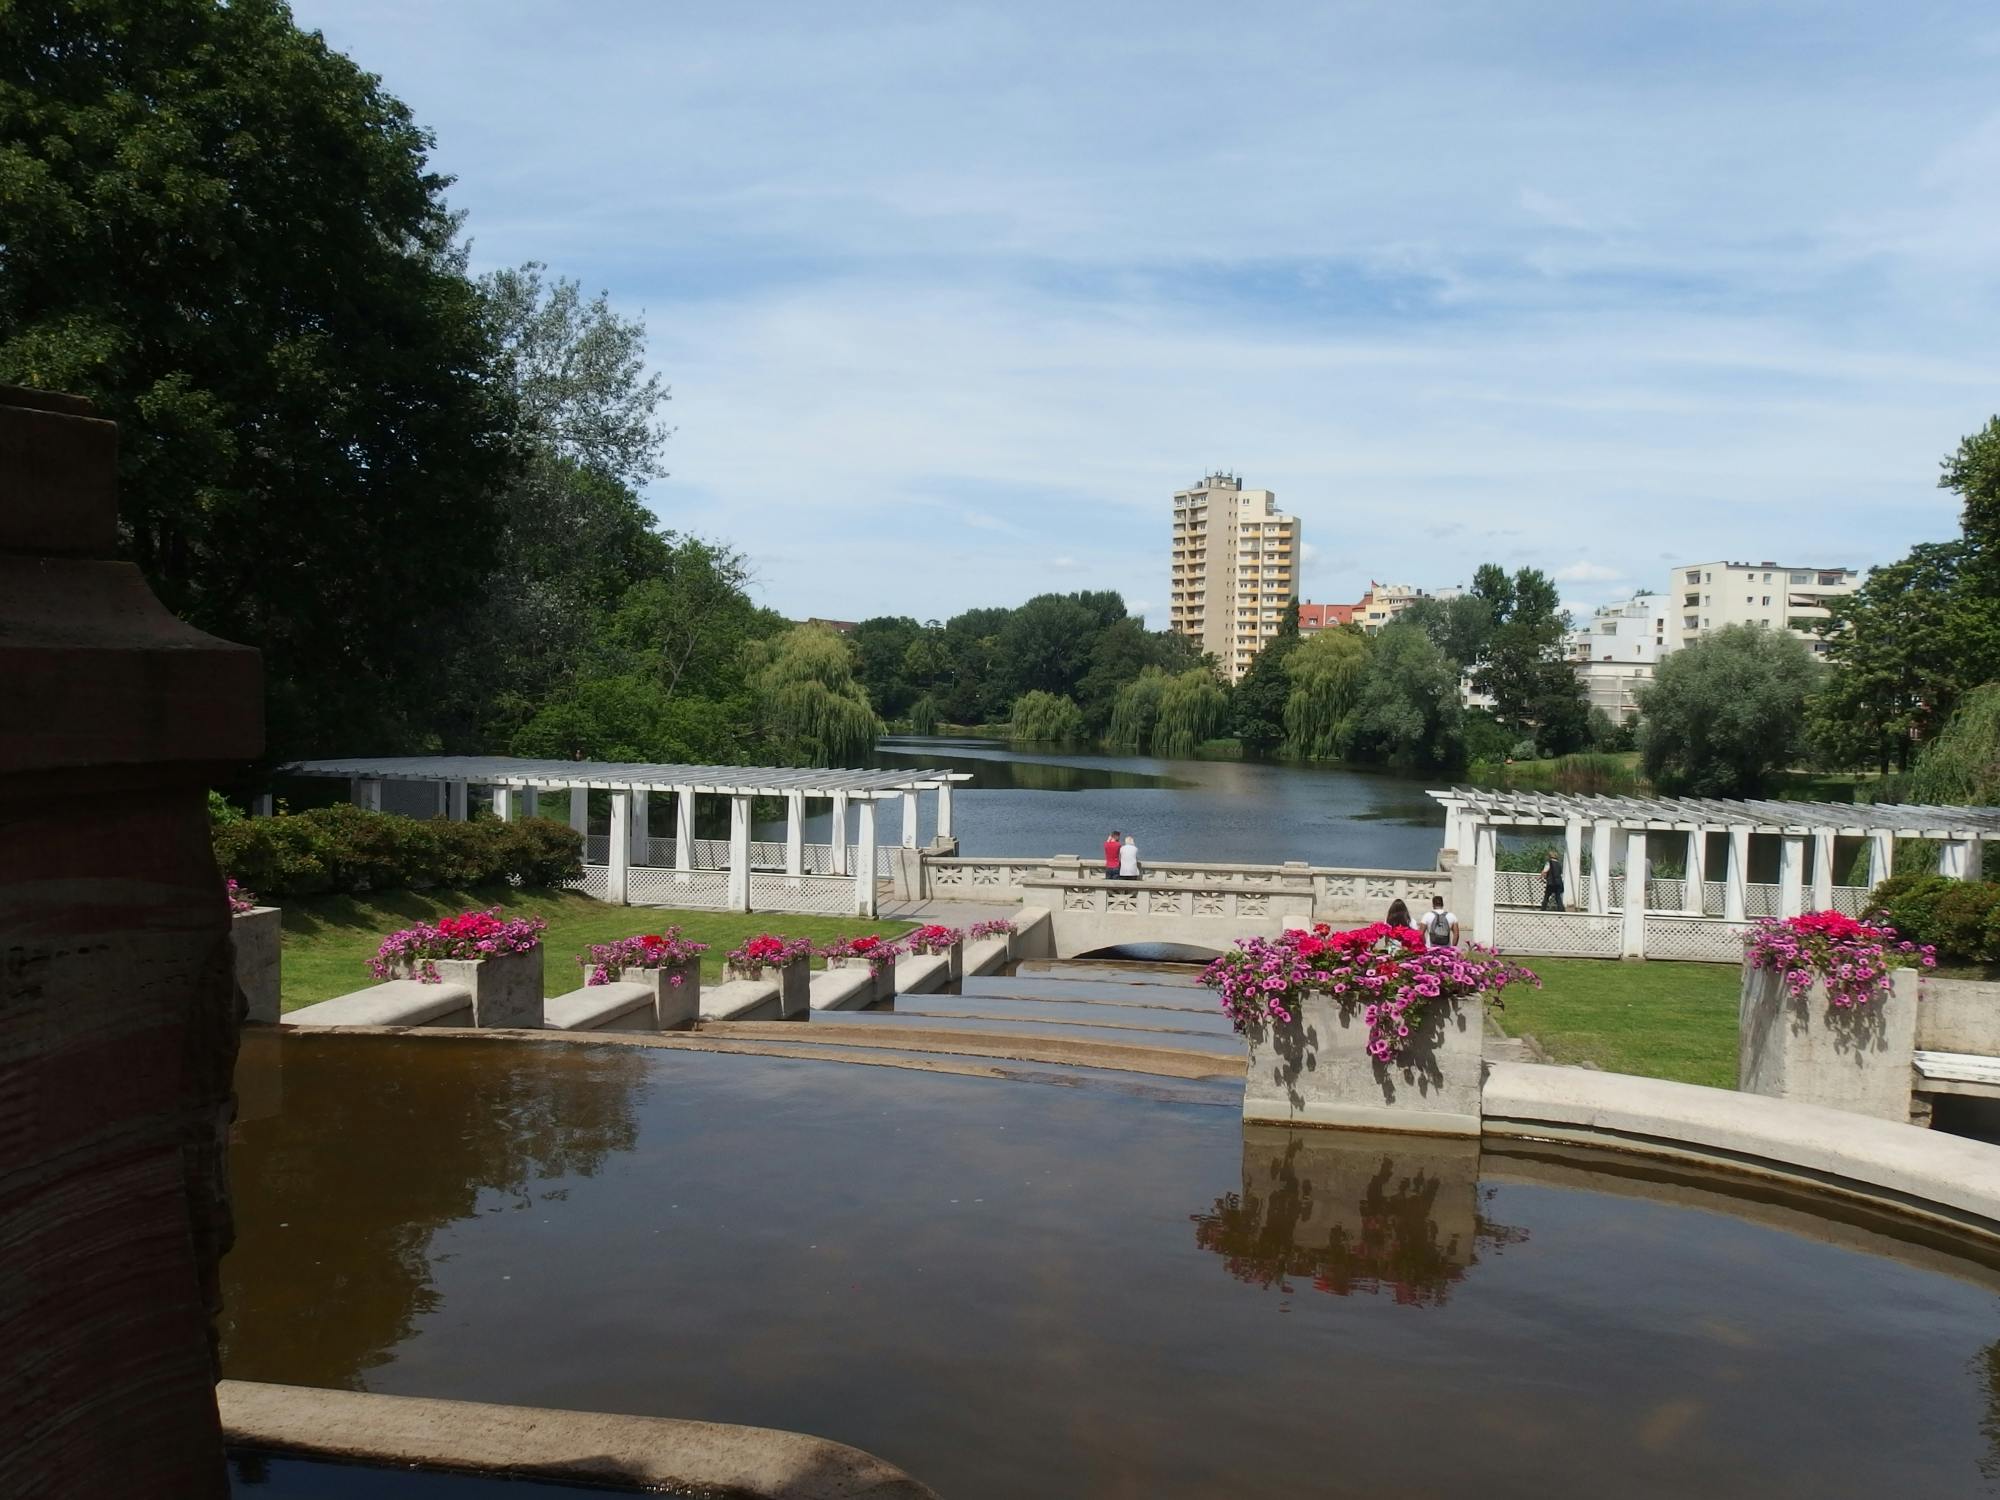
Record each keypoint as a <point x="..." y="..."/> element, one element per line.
<point x="1324" y="616"/>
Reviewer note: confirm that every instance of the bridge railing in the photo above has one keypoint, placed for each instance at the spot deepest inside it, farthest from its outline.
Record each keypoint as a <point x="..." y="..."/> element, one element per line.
<point x="1338" y="893"/>
<point x="1090" y="913"/>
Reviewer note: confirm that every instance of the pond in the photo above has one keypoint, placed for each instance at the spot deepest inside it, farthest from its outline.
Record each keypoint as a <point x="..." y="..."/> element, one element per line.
<point x="1040" y="802"/>
<point x="1068" y="1287"/>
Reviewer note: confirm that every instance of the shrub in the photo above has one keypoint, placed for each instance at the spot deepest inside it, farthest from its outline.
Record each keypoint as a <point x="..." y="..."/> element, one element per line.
<point x="349" y="850"/>
<point x="1959" y="918"/>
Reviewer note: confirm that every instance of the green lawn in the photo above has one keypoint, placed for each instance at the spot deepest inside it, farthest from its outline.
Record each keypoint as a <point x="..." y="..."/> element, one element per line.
<point x="1662" y="1020"/>
<point x="328" y="939"/>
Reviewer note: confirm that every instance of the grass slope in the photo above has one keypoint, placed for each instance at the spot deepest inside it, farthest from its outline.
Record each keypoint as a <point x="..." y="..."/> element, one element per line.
<point x="328" y="939"/>
<point x="1661" y="1020"/>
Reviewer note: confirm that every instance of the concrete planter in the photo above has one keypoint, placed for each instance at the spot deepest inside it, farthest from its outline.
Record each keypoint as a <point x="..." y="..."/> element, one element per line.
<point x="1809" y="1052"/>
<point x="256" y="937"/>
<point x="794" y="982"/>
<point x="1316" y="1071"/>
<point x="1960" y="1015"/>
<point x="676" y="1007"/>
<point x="881" y="978"/>
<point x="506" y="991"/>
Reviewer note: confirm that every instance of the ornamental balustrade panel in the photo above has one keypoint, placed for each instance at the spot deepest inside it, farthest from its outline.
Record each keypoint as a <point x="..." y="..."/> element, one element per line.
<point x="1556" y="934"/>
<point x="982" y="879"/>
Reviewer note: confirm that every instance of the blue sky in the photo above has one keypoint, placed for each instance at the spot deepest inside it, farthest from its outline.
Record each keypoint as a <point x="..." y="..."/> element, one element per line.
<point x="952" y="299"/>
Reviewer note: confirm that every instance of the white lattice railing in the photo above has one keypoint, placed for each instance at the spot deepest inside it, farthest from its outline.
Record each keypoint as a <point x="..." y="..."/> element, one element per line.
<point x="697" y="890"/>
<point x="713" y="854"/>
<point x="1665" y="895"/>
<point x="823" y="895"/>
<point x="1700" y="938"/>
<point x="1556" y="934"/>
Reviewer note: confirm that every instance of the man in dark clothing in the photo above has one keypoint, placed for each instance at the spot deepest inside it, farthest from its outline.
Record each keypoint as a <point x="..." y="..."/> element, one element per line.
<point x="1552" y="883"/>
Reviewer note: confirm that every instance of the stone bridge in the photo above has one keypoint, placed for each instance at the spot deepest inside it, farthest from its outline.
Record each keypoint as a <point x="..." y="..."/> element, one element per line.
<point x="1200" y="906"/>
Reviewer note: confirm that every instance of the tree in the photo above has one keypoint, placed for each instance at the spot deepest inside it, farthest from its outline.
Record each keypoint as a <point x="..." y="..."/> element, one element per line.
<point x="810" y="708"/>
<point x="1461" y="628"/>
<point x="1534" y="690"/>
<point x="1046" y="716"/>
<point x="1961" y="767"/>
<point x="1045" y="644"/>
<point x="1257" y="708"/>
<point x="1904" y="648"/>
<point x="1974" y="473"/>
<point x="1722" y="715"/>
<point x="1194" y="708"/>
<point x="1407" y="712"/>
<point x="1324" y="676"/>
<point x="1136" y="711"/>
<point x="229" y="236"/>
<point x="882" y="648"/>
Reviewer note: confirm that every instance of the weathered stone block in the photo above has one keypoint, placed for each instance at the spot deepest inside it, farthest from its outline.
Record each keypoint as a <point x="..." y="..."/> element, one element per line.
<point x="257" y="939"/>
<point x="794" y="982"/>
<point x="1960" y="1015"/>
<point x="1316" y="1070"/>
<point x="1810" y="1052"/>
<point x="506" y="991"/>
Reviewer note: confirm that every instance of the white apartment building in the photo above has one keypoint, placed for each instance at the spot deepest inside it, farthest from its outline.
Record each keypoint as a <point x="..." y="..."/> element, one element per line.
<point x="1383" y="602"/>
<point x="1704" y="597"/>
<point x="1615" y="650"/>
<point x="1235" y="569"/>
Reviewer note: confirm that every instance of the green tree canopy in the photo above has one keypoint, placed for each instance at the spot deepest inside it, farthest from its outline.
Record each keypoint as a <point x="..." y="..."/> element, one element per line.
<point x="1535" y="691"/>
<point x="1725" y="713"/>
<point x="1193" y="708"/>
<point x="230" y="237"/>
<point x="809" y="705"/>
<point x="1046" y="716"/>
<point x="1974" y="473"/>
<point x="1407" y="712"/>
<point x="1325" y="675"/>
<point x="1257" y="707"/>
<point x="1136" y="711"/>
<point x="1961" y="767"/>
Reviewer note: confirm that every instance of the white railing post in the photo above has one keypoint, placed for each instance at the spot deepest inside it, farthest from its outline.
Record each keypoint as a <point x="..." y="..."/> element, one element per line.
<point x="1822" y="877"/>
<point x="1572" y="861"/>
<point x="456" y="802"/>
<point x="1881" y="855"/>
<point x="1485" y="867"/>
<point x="619" y="855"/>
<point x="1600" y="868"/>
<point x="1791" y="874"/>
<point x="1693" y="898"/>
<point x="864" y="861"/>
<point x="684" y="828"/>
<point x="840" y="834"/>
<point x="909" y="820"/>
<point x="944" y="810"/>
<point x="579" y="813"/>
<point x="739" y="851"/>
<point x="503" y="803"/>
<point x="531" y="802"/>
<point x="640" y="839"/>
<point x="795" y="833"/>
<point x="1634" y="936"/>
<point x="1736" y="876"/>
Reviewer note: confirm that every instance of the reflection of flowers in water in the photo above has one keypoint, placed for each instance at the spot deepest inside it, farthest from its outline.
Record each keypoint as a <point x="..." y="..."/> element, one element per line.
<point x="1353" y="1222"/>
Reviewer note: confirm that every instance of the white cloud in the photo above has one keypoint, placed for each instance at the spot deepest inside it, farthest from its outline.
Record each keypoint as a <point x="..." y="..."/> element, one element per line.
<point x="1585" y="571"/>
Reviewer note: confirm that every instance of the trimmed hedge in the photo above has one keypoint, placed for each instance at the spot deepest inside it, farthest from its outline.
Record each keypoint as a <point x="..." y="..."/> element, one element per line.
<point x="1960" y="918"/>
<point x="349" y="850"/>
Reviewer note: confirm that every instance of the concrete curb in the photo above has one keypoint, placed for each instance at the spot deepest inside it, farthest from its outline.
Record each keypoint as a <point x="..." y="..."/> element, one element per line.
<point x="637" y="1453"/>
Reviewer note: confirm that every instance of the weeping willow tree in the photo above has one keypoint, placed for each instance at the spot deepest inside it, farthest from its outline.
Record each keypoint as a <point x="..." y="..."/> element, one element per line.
<point x="1325" y="670"/>
<point x="1961" y="766"/>
<point x="1193" y="708"/>
<point x="809" y="707"/>
<point x="1135" y="710"/>
<point x="1045" y="716"/>
<point x="925" y="715"/>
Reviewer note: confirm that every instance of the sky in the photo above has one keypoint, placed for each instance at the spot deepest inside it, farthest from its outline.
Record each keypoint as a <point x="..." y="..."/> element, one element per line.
<point x="952" y="299"/>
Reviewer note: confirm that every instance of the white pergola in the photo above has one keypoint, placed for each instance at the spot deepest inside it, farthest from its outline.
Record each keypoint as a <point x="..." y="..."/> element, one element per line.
<point x="1625" y="827"/>
<point x="516" y="785"/>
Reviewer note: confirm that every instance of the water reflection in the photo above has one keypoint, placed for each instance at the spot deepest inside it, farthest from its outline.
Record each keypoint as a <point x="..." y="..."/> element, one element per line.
<point x="1373" y="1214"/>
<point x="357" y="1150"/>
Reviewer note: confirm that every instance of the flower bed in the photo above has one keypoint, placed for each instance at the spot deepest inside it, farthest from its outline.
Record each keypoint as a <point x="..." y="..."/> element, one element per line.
<point x="240" y="900"/>
<point x="875" y="951"/>
<point x="933" y="939"/>
<point x="654" y="950"/>
<point x="1854" y="960"/>
<point x="992" y="927"/>
<point x="767" y="951"/>
<point x="415" y="951"/>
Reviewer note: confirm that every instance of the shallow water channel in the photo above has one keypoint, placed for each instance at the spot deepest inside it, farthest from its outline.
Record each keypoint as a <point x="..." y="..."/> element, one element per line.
<point x="1081" y="1284"/>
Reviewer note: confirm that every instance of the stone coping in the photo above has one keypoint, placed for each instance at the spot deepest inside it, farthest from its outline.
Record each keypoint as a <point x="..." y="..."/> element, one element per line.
<point x="1936" y="1176"/>
<point x="920" y="973"/>
<point x="395" y="1002"/>
<point x="740" y="1000"/>
<point x="623" y="1453"/>
<point x="986" y="956"/>
<point x="849" y="987"/>
<point x="595" y="1004"/>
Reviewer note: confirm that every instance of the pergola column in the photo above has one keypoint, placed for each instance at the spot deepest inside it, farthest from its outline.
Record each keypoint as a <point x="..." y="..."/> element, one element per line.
<point x="1791" y="874"/>
<point x="1572" y="860"/>
<point x="683" y="828"/>
<point x="616" y="881"/>
<point x="1485" y="864"/>
<point x="366" y="791"/>
<point x="739" y="851"/>
<point x="795" y="833"/>
<point x="1736" y="877"/>
<point x="639" y="839"/>
<point x="503" y="803"/>
<point x="1695" y="874"/>
<point x="864" y="861"/>
<point x="456" y="801"/>
<point x="1822" y="873"/>
<point x="1881" y="855"/>
<point x="944" y="810"/>
<point x="260" y="805"/>
<point x="1634" y="936"/>
<point x="1454" y="830"/>
<point x="579" y="813"/>
<point x="441" y="799"/>
<point x="531" y="802"/>
<point x="840" y="834"/>
<point x="909" y="820"/>
<point x="1600" y="867"/>
<point x="1959" y="859"/>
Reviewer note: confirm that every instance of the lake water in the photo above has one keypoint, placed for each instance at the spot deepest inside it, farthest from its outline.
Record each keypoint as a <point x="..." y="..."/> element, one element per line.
<point x="1042" y="802"/>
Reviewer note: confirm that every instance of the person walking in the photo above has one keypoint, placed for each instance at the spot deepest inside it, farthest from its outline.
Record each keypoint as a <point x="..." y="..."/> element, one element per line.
<point x="1399" y="914"/>
<point x="1440" y="927"/>
<point x="1111" y="847"/>
<point x="1128" y="859"/>
<point x="1552" y="883"/>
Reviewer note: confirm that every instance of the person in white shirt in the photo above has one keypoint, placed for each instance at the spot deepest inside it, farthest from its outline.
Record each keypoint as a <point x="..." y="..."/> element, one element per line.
<point x="1440" y="926"/>
<point x="1128" y="859"/>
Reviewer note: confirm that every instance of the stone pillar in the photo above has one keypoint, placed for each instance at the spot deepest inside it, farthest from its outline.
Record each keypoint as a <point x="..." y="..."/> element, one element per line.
<point x="1454" y="832"/>
<point x="1791" y="874"/>
<point x="739" y="851"/>
<point x="795" y="833"/>
<point x="1633" y="942"/>
<point x="366" y="792"/>
<point x="1959" y="859"/>
<point x="456" y="801"/>
<point x="1572" y="861"/>
<point x="683" y="828"/>
<point x="944" y="811"/>
<point x="1600" y="868"/>
<point x="909" y="820"/>
<point x="1693" y="900"/>
<point x="840" y="834"/>
<point x="503" y="803"/>
<point x="1736" y="876"/>
<point x="1881" y="855"/>
<point x="121" y="1009"/>
<point x="1485" y="866"/>
<point x="1822" y="872"/>
<point x="864" y="861"/>
<point x="531" y="802"/>
<point x="639" y="839"/>
<point x="579" y="812"/>
<point x="617" y="881"/>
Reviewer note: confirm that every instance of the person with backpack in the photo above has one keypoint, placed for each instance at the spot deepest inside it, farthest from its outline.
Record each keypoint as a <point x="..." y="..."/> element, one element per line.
<point x="1552" y="883"/>
<point x="1440" y="926"/>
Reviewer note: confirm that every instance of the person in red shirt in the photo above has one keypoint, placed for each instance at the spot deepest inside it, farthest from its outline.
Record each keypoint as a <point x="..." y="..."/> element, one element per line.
<point x="1111" y="847"/>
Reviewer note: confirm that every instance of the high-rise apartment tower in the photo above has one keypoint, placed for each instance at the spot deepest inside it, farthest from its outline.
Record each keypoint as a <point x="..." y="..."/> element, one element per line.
<point x="1236" y="567"/>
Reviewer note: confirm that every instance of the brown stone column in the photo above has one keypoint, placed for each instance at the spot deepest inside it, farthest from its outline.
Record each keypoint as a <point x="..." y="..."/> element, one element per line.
<point x="118" y="1008"/>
